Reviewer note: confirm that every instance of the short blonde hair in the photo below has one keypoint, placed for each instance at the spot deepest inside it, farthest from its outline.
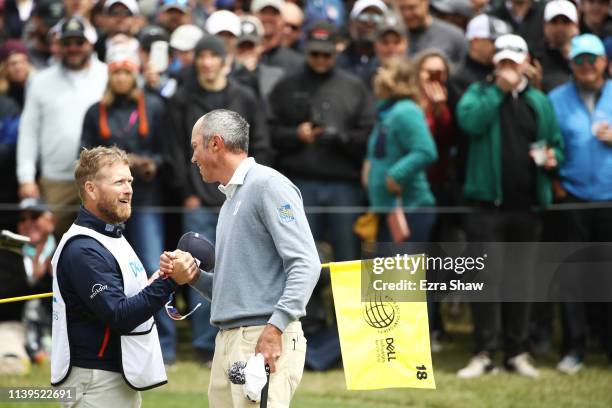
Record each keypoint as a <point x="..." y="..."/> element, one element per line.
<point x="397" y="79"/>
<point x="92" y="160"/>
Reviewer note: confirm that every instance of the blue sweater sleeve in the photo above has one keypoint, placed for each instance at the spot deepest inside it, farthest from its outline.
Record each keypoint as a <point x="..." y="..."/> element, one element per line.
<point x="85" y="263"/>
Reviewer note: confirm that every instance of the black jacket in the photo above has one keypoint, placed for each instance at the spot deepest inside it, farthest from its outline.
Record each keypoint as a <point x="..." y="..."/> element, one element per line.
<point x="123" y="123"/>
<point x="187" y="106"/>
<point x="9" y="124"/>
<point x="556" y="69"/>
<point x="284" y="58"/>
<point x="531" y="26"/>
<point x="337" y="101"/>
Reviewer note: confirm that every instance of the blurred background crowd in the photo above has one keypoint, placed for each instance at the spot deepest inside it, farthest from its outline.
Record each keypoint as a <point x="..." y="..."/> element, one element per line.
<point x="416" y="107"/>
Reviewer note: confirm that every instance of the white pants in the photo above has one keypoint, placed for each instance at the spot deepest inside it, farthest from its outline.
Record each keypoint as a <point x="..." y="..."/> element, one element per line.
<point x="100" y="389"/>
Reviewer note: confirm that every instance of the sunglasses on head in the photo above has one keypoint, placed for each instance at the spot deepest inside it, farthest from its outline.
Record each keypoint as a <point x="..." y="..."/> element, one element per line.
<point x="173" y="312"/>
<point x="584" y="58"/>
<point x="370" y="18"/>
<point x="67" y="42"/>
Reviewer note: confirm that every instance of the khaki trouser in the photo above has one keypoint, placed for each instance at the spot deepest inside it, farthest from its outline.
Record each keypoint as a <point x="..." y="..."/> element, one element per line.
<point x="239" y="345"/>
<point x="14" y="359"/>
<point x="100" y="389"/>
<point x="60" y="193"/>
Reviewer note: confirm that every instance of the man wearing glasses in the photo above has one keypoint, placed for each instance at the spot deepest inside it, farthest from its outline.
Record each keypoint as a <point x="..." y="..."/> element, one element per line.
<point x="266" y="263"/>
<point x="52" y="120"/>
<point x="105" y="341"/>
<point x="583" y="107"/>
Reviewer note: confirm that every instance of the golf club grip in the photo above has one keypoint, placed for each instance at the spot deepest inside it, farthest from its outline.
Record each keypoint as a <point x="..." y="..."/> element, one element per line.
<point x="264" y="392"/>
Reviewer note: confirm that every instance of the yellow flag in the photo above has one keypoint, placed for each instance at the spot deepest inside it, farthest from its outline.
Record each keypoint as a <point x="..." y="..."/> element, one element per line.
<point x="385" y="344"/>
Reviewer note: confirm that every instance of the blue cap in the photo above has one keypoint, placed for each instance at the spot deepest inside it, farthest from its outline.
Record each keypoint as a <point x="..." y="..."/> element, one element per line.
<point x="587" y="44"/>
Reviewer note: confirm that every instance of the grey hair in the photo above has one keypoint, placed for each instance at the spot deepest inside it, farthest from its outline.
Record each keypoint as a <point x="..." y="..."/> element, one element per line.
<point x="229" y="125"/>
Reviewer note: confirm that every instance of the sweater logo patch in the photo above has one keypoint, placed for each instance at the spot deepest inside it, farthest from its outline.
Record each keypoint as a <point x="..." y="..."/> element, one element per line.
<point x="96" y="289"/>
<point x="285" y="213"/>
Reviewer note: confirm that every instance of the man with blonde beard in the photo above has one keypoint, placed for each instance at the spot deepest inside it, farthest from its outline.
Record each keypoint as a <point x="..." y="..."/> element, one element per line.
<point x="104" y="338"/>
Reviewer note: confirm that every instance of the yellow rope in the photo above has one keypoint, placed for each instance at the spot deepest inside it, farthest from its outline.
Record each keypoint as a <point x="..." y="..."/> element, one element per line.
<point x="45" y="295"/>
<point x="29" y="297"/>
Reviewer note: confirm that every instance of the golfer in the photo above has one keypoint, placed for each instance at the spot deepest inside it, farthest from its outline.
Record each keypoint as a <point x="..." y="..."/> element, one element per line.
<point x="104" y="338"/>
<point x="266" y="263"/>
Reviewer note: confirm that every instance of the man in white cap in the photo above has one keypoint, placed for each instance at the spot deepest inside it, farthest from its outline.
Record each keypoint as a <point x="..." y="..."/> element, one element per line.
<point x="560" y="26"/>
<point x="226" y="25"/>
<point x="365" y="17"/>
<point x="275" y="54"/>
<point x="426" y="31"/>
<point x="506" y="179"/>
<point x="182" y="42"/>
<point x="52" y="119"/>
<point x="120" y="18"/>
<point x="481" y="32"/>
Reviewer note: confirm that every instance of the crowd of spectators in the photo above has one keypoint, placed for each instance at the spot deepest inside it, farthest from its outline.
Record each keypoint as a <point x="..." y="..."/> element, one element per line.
<point x="502" y="106"/>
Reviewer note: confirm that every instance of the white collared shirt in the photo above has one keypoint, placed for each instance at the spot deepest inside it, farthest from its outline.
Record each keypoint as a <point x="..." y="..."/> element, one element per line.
<point x="237" y="178"/>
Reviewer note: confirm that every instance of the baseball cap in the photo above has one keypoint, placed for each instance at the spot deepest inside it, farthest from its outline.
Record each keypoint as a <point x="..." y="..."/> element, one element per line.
<point x="258" y="5"/>
<point x="185" y="37"/>
<point x="391" y="24"/>
<point x="130" y="4"/>
<point x="149" y="34"/>
<point x="35" y="205"/>
<point x="251" y="30"/>
<point x="223" y="20"/>
<point x="486" y="27"/>
<point x="556" y="8"/>
<point x="76" y="26"/>
<point x="200" y="248"/>
<point x="461" y="7"/>
<point x="587" y="44"/>
<point x="50" y="11"/>
<point x="512" y="47"/>
<point x="182" y="5"/>
<point x="321" y="38"/>
<point x="361" y="5"/>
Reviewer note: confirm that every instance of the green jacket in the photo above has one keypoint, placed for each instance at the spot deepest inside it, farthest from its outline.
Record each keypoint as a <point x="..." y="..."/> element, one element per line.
<point x="478" y="116"/>
<point x="408" y="150"/>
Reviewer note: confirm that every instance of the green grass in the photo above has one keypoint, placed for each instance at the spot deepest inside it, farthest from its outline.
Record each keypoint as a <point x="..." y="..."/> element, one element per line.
<point x="590" y="388"/>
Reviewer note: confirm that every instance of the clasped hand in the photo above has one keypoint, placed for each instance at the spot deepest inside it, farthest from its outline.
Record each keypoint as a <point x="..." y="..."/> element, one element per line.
<point x="178" y="265"/>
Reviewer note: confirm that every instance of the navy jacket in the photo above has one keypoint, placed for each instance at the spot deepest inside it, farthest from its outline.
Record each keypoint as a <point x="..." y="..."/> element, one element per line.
<point x="96" y="323"/>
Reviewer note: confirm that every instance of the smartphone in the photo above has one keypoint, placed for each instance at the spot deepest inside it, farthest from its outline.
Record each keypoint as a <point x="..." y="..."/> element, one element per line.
<point x="435" y="76"/>
<point x="158" y="58"/>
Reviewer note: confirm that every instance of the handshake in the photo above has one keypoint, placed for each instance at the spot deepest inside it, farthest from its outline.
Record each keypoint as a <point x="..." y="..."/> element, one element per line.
<point x="180" y="266"/>
<point x="193" y="253"/>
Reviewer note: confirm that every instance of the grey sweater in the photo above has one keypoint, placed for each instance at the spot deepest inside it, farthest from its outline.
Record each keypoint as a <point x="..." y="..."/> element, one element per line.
<point x="266" y="262"/>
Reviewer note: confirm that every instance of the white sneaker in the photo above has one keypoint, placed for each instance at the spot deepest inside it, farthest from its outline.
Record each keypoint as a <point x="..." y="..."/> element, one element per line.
<point x="479" y="365"/>
<point x="521" y="364"/>
<point x="570" y="364"/>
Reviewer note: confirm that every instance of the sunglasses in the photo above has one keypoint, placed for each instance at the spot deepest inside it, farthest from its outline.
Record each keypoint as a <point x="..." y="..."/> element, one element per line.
<point x="120" y="13"/>
<point x="369" y="18"/>
<point x="67" y="42"/>
<point x="583" y="58"/>
<point x="29" y="217"/>
<point x="294" y="27"/>
<point x="173" y="312"/>
<point x="317" y="54"/>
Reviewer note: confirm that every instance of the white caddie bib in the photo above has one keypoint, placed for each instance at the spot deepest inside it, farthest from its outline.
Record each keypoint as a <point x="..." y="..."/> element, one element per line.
<point x="141" y="356"/>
